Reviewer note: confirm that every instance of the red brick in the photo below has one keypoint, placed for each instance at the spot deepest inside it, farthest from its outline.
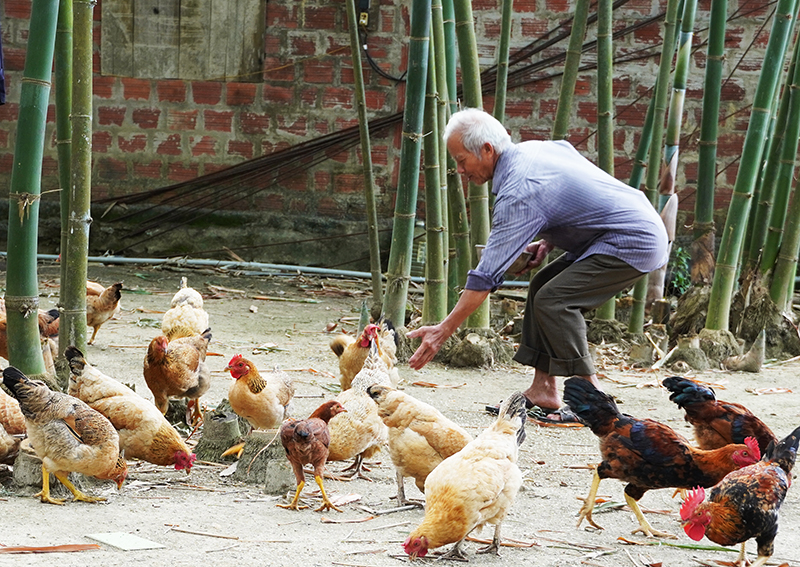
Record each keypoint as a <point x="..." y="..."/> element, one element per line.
<point x="182" y="120"/>
<point x="316" y="71"/>
<point x="308" y="96"/>
<point x="253" y="123"/>
<point x="588" y="111"/>
<point x="180" y="172"/>
<point x="337" y="97"/>
<point x="273" y="94"/>
<point x="6" y="162"/>
<point x="101" y="142"/>
<point x="171" y="91"/>
<point x="518" y="108"/>
<point x="49" y="167"/>
<point x="151" y="170"/>
<point x="282" y="16"/>
<point x="203" y="145"/>
<point x="375" y="100"/>
<point x="13" y="59"/>
<point x="348" y="183"/>
<point x="20" y="9"/>
<point x="136" y="143"/>
<point x="328" y="206"/>
<point x="301" y="206"/>
<point x="103" y="87"/>
<point x="135" y="89"/>
<point x="321" y="127"/>
<point x="109" y="168"/>
<point x="269" y="202"/>
<point x="4" y="138"/>
<point x="322" y="180"/>
<point x="277" y="70"/>
<point x="302" y="46"/>
<point x="297" y="182"/>
<point x="241" y="93"/>
<point x="557" y="5"/>
<point x="322" y="18"/>
<point x="111" y="115"/>
<point x="206" y="92"/>
<point x="298" y="127"/>
<point x="218" y="121"/>
<point x="242" y="148"/>
<point x="170" y="145"/>
<point x="213" y="167"/>
<point x="146" y="117"/>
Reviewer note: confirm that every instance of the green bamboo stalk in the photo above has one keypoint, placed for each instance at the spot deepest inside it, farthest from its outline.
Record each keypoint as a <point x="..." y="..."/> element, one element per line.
<point x="442" y="115"/>
<point x="501" y="85"/>
<point x="399" y="269"/>
<point x="735" y="224"/>
<point x="471" y="87"/>
<point x="22" y="286"/>
<point x="703" y="229"/>
<point x="73" y="324"/>
<point x="777" y="189"/>
<point x="434" y="307"/>
<point x="450" y="50"/>
<point x="636" y="324"/>
<point x="605" y="113"/>
<point x="656" y="278"/>
<point x="366" y="156"/>
<point x="571" y="67"/>
<point x="63" y="84"/>
<point x="640" y="160"/>
<point x="785" y="271"/>
<point x="785" y="263"/>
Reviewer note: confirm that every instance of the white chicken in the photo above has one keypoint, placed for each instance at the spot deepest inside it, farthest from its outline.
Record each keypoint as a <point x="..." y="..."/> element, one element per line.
<point x="186" y="316"/>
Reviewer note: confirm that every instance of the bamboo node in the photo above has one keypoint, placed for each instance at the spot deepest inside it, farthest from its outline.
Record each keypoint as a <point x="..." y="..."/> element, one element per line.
<point x="415" y="136"/>
<point x="35" y="81"/>
<point x="25" y="200"/>
<point x="23" y="304"/>
<point x="405" y="216"/>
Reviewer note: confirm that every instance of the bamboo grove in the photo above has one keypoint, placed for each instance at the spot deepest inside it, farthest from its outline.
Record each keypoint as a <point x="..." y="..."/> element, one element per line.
<point x="754" y="262"/>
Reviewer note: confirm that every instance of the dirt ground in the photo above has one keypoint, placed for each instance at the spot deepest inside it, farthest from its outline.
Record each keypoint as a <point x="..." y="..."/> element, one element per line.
<point x="208" y="519"/>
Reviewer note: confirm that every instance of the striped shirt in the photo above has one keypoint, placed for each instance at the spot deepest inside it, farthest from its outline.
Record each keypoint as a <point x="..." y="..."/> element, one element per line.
<point x="547" y="189"/>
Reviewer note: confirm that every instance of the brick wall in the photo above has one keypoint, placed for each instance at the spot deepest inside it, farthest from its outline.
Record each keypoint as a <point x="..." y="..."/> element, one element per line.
<point x="152" y="133"/>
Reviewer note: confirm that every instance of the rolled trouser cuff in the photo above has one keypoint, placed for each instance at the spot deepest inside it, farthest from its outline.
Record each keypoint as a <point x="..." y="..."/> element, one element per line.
<point x="583" y="366"/>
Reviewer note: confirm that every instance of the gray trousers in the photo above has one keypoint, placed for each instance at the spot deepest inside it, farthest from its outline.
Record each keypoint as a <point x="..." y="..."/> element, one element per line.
<point x="554" y="329"/>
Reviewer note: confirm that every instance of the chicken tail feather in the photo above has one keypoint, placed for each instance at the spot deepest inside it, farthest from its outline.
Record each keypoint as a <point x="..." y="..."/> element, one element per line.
<point x="784" y="452"/>
<point x="685" y="392"/>
<point x="75" y="358"/>
<point x="513" y="408"/>
<point x="596" y="408"/>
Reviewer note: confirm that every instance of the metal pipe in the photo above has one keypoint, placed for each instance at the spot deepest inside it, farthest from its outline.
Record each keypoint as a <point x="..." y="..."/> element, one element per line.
<point x="233" y="265"/>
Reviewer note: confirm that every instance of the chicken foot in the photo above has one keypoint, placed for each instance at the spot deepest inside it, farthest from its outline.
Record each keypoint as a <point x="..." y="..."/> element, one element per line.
<point x="326" y="503"/>
<point x="588" y="504"/>
<point x="45" y="492"/>
<point x="353" y="471"/>
<point x="495" y="545"/>
<point x="644" y="526"/>
<point x="401" y="493"/>
<point x="293" y="504"/>
<point x="456" y="553"/>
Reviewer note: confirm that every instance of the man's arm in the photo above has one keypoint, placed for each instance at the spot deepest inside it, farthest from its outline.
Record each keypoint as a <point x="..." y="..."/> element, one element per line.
<point x="434" y="336"/>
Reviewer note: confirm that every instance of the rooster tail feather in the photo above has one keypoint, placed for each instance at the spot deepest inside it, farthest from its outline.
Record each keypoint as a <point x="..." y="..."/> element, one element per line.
<point x="685" y="392"/>
<point x="512" y="408"/>
<point x="784" y="452"/>
<point x="596" y="408"/>
<point x="13" y="378"/>
<point x="75" y="358"/>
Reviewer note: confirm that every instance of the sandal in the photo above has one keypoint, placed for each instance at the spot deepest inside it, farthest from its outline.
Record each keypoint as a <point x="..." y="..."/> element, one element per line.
<point x="565" y="416"/>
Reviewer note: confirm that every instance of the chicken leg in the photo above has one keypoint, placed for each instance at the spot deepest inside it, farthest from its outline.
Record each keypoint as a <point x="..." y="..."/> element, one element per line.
<point x="45" y="492"/>
<point x="293" y="504"/>
<point x="644" y="526"/>
<point x="326" y="503"/>
<point x="77" y="494"/>
<point x="495" y="545"/>
<point x="588" y="504"/>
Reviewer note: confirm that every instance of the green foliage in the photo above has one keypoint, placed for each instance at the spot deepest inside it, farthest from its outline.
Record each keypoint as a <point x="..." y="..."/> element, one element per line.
<point x="678" y="271"/>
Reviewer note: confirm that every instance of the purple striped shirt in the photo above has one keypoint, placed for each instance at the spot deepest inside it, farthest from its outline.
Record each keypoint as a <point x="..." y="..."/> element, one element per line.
<point x="547" y="189"/>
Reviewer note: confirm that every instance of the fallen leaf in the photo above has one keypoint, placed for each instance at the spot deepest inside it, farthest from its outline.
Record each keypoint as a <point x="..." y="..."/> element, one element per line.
<point x="51" y="548"/>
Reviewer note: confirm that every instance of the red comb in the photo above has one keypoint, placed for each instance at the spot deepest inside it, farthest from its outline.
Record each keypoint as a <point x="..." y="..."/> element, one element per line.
<point x="234" y="359"/>
<point x="694" y="498"/>
<point x="752" y="444"/>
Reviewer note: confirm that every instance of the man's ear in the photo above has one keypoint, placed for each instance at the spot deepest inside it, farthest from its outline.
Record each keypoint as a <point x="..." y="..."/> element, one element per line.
<point x="488" y="148"/>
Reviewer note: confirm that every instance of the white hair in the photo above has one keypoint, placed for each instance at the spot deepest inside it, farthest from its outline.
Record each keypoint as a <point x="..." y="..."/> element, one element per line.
<point x="477" y="128"/>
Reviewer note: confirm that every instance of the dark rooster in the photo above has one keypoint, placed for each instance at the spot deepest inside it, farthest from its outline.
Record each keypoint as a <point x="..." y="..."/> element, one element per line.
<point x="745" y="504"/>
<point x="716" y="423"/>
<point x="647" y="454"/>
<point x="306" y="442"/>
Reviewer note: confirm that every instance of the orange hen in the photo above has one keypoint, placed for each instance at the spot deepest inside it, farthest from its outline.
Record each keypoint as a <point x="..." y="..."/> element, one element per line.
<point x="353" y="352"/>
<point x="263" y="403"/>
<point x="101" y="304"/>
<point x="178" y="369"/>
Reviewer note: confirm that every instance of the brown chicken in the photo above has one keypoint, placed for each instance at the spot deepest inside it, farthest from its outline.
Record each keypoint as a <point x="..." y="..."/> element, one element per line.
<point x="716" y="423"/>
<point x="144" y="433"/>
<point x="647" y="454"/>
<point x="306" y="442"/>
<point x="474" y="487"/>
<point x="745" y="504"/>
<point x="178" y="369"/>
<point x="359" y="433"/>
<point x="353" y="352"/>
<point x="9" y="446"/>
<point x="12" y="427"/>
<point x="420" y="437"/>
<point x="101" y="304"/>
<point x="186" y="316"/>
<point x="67" y="435"/>
<point x="48" y="328"/>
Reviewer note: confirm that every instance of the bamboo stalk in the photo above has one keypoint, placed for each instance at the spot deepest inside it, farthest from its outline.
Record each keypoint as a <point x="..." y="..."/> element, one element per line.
<point x="22" y="289"/>
<point x="735" y="223"/>
<point x="571" y="67"/>
<point x="366" y="156"/>
<point x="399" y="269"/>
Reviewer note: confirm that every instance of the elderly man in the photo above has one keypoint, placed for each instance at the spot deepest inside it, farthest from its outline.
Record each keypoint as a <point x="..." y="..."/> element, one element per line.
<point x="610" y="233"/>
